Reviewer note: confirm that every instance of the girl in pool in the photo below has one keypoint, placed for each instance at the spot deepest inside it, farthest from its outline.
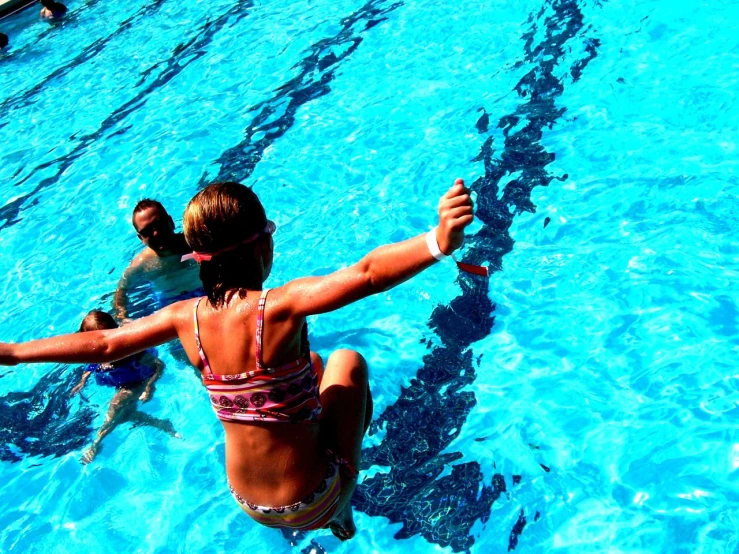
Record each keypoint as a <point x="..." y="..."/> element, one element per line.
<point x="293" y="430"/>
<point x="133" y="377"/>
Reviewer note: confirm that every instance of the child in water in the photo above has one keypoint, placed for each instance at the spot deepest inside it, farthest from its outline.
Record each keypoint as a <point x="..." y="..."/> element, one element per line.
<point x="133" y="377"/>
<point x="293" y="431"/>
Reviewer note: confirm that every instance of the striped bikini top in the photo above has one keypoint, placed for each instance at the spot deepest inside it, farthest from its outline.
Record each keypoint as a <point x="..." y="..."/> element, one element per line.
<point x="285" y="394"/>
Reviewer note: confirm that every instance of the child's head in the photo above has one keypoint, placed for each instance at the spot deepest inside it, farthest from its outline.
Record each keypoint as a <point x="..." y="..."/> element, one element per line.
<point x="97" y="320"/>
<point x="228" y="221"/>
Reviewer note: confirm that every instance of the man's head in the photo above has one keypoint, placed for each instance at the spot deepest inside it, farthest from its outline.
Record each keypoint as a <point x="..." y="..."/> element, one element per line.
<point x="3" y="40"/>
<point x="97" y="320"/>
<point x="154" y="226"/>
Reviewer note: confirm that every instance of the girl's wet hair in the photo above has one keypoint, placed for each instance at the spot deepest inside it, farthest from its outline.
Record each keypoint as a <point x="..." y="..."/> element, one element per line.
<point x="97" y="320"/>
<point x="219" y="216"/>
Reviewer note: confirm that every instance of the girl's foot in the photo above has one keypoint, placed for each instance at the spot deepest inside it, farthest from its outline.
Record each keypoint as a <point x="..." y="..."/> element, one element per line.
<point x="89" y="454"/>
<point x="342" y="526"/>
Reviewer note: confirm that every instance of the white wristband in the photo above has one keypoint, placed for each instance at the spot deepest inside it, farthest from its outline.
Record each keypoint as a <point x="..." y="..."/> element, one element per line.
<point x="434" y="245"/>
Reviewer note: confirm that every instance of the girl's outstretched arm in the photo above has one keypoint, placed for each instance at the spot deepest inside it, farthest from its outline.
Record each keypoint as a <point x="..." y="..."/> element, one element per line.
<point x="98" y="346"/>
<point x="384" y="267"/>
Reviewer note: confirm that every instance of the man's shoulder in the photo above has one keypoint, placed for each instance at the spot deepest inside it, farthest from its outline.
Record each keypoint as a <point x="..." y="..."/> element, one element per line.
<point x="142" y="261"/>
<point x="147" y="254"/>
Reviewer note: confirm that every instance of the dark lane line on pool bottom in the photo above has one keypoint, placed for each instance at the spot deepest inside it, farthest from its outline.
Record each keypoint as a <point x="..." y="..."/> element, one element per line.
<point x="443" y="509"/>
<point x="182" y="56"/>
<point x="274" y="117"/>
<point x="43" y="422"/>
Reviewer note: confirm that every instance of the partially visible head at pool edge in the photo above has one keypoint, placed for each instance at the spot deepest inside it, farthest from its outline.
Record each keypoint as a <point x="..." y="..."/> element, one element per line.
<point x="224" y="216"/>
<point x="53" y="5"/>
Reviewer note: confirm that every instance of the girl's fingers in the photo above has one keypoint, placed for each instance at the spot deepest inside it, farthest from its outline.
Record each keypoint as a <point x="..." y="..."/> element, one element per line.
<point x="456" y="189"/>
<point x="460" y="200"/>
<point x="453" y="203"/>
<point x="462" y="222"/>
<point x="461" y="211"/>
<point x="451" y="193"/>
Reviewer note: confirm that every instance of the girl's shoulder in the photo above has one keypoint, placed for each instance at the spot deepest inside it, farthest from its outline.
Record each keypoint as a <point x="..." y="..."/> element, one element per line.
<point x="278" y="302"/>
<point x="184" y="309"/>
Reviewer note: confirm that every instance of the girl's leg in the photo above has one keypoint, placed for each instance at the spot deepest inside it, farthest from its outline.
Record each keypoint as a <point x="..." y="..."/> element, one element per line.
<point x="120" y="407"/>
<point x="141" y="418"/>
<point x="369" y="409"/>
<point x="150" y="382"/>
<point x="347" y="410"/>
<point x="317" y="362"/>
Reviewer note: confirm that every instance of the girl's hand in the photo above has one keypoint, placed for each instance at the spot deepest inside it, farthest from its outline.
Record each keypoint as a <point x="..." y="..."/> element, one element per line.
<point x="7" y="356"/>
<point x="455" y="213"/>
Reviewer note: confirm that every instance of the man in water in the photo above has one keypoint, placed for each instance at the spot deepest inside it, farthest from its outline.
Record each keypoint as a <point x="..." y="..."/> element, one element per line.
<point x="3" y="40"/>
<point x="157" y="271"/>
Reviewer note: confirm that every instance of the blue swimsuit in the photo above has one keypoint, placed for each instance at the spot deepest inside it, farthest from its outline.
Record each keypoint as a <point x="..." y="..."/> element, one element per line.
<point x="129" y="371"/>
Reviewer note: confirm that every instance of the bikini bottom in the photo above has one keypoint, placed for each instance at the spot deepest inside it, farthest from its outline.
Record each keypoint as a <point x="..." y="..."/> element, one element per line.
<point x="312" y="512"/>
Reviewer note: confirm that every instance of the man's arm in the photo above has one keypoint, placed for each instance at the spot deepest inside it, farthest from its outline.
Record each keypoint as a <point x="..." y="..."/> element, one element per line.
<point x="127" y="281"/>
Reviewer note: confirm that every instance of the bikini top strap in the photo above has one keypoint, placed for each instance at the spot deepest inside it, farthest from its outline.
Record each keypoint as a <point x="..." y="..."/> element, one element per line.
<point x="260" y="326"/>
<point x="206" y="365"/>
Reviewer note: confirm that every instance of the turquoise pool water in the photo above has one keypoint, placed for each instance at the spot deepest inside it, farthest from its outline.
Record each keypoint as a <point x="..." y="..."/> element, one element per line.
<point x="582" y="400"/>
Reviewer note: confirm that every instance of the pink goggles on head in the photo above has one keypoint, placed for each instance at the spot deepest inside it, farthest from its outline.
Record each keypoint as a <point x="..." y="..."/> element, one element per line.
<point x="207" y="256"/>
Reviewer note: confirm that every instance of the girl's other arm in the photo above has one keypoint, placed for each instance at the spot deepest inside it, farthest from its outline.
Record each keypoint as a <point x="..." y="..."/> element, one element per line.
<point x="98" y="346"/>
